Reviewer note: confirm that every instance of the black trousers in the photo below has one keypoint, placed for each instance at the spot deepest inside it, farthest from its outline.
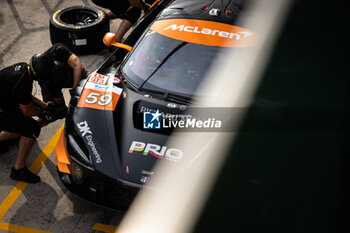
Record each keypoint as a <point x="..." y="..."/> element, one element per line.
<point x="15" y="122"/>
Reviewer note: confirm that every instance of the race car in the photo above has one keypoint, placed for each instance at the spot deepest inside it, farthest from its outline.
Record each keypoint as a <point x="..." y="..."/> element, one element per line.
<point x="114" y="134"/>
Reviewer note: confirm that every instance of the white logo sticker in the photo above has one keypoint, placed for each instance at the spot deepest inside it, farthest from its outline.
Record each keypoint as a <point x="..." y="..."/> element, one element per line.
<point x="84" y="128"/>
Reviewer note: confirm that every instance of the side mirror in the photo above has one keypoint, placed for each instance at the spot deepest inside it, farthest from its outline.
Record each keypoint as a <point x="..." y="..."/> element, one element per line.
<point x="109" y="40"/>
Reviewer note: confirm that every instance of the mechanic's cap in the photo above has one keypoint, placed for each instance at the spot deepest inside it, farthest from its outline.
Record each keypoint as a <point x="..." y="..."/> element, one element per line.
<point x="41" y="66"/>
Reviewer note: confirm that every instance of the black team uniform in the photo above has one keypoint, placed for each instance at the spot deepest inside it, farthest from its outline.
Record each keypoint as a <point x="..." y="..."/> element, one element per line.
<point x="15" y="90"/>
<point x="53" y="71"/>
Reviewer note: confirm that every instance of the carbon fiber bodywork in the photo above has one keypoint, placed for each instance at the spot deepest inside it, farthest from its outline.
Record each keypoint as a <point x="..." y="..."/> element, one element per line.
<point x="108" y="148"/>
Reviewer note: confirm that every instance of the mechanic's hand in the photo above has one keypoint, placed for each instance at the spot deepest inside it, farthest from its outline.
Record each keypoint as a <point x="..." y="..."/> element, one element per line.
<point x="138" y="4"/>
<point x="86" y="74"/>
<point x="52" y="113"/>
<point x="46" y="114"/>
<point x="60" y="111"/>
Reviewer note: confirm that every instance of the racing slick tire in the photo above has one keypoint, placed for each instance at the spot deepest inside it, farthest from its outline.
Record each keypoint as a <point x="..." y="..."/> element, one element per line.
<point x="80" y="28"/>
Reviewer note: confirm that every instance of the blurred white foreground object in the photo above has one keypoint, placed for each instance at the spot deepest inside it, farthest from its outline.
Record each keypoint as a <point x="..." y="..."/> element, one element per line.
<point x="175" y="208"/>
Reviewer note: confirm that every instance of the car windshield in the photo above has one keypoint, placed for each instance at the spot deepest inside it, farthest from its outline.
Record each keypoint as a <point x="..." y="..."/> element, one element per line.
<point x="168" y="65"/>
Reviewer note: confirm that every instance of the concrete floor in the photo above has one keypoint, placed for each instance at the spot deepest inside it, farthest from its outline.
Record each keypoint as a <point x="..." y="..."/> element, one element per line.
<point x="47" y="206"/>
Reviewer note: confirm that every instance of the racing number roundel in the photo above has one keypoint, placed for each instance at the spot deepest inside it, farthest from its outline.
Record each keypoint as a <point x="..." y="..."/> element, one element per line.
<point x="205" y="32"/>
<point x="99" y="93"/>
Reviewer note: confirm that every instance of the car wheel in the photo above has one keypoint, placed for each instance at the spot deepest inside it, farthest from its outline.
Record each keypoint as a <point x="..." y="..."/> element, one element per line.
<point x="80" y="28"/>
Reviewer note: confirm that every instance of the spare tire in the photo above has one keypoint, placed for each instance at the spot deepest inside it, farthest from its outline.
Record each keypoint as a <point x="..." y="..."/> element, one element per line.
<point x="80" y="28"/>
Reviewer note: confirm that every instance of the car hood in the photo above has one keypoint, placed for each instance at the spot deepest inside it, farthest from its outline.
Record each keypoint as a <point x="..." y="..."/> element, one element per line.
<point x="119" y="146"/>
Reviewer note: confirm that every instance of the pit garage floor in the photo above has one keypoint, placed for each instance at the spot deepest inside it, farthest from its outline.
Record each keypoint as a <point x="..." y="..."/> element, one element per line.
<point x="47" y="206"/>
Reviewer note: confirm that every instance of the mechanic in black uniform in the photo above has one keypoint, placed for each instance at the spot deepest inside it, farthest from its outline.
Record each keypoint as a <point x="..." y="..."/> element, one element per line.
<point x="128" y="10"/>
<point x="17" y="105"/>
<point x="55" y="69"/>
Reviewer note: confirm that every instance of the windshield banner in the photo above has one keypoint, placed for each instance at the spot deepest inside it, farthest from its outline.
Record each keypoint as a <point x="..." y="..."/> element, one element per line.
<point x="205" y="32"/>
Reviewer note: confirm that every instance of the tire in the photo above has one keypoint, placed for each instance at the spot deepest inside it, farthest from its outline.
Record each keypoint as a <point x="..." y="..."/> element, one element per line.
<point x="80" y="28"/>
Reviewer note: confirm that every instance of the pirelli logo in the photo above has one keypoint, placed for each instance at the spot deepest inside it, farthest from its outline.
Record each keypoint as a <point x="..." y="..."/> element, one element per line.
<point x="205" y="32"/>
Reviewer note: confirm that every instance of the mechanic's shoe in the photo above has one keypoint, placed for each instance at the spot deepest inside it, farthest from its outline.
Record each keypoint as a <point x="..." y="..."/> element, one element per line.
<point x="24" y="175"/>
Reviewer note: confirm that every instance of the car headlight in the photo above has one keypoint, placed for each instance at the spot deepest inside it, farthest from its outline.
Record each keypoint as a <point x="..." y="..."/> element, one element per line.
<point x="77" y="173"/>
<point x="78" y="150"/>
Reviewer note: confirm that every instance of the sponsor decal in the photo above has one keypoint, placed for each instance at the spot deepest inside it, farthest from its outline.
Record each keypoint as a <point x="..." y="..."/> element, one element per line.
<point x="98" y="78"/>
<point x="179" y="106"/>
<point x="159" y="120"/>
<point x="171" y="154"/>
<point x="144" y="179"/>
<point x="138" y="146"/>
<point x="145" y="109"/>
<point x="210" y="123"/>
<point x="17" y="68"/>
<point x="93" y="148"/>
<point x="214" y="12"/>
<point x="100" y="87"/>
<point x="167" y="115"/>
<point x="116" y="80"/>
<point x="172" y="105"/>
<point x="85" y="129"/>
<point x="100" y="96"/>
<point x="182" y="107"/>
<point x="205" y="32"/>
<point x="151" y="120"/>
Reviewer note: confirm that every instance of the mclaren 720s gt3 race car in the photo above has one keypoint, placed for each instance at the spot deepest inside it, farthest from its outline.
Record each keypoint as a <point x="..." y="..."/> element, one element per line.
<point x="113" y="134"/>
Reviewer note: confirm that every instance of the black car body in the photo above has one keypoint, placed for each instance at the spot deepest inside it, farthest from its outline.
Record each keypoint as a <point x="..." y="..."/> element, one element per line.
<point x="112" y="137"/>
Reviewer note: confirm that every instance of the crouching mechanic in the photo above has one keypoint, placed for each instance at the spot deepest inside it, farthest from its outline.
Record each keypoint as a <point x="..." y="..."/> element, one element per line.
<point x="17" y="106"/>
<point x="55" y="69"/>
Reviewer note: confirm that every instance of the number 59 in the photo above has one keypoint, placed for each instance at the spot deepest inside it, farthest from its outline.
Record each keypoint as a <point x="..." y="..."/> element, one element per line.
<point x="102" y="100"/>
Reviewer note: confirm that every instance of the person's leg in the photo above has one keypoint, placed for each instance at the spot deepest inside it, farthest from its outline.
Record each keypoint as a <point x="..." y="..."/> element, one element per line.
<point x="132" y="15"/>
<point x="4" y="140"/>
<point x="20" y="172"/>
<point x="104" y="3"/>
<point x="14" y="124"/>
<point x="111" y="15"/>
<point x="124" y="26"/>
<point x="4" y="136"/>
<point x="138" y="4"/>
<point x="116" y="8"/>
<point x="25" y="145"/>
